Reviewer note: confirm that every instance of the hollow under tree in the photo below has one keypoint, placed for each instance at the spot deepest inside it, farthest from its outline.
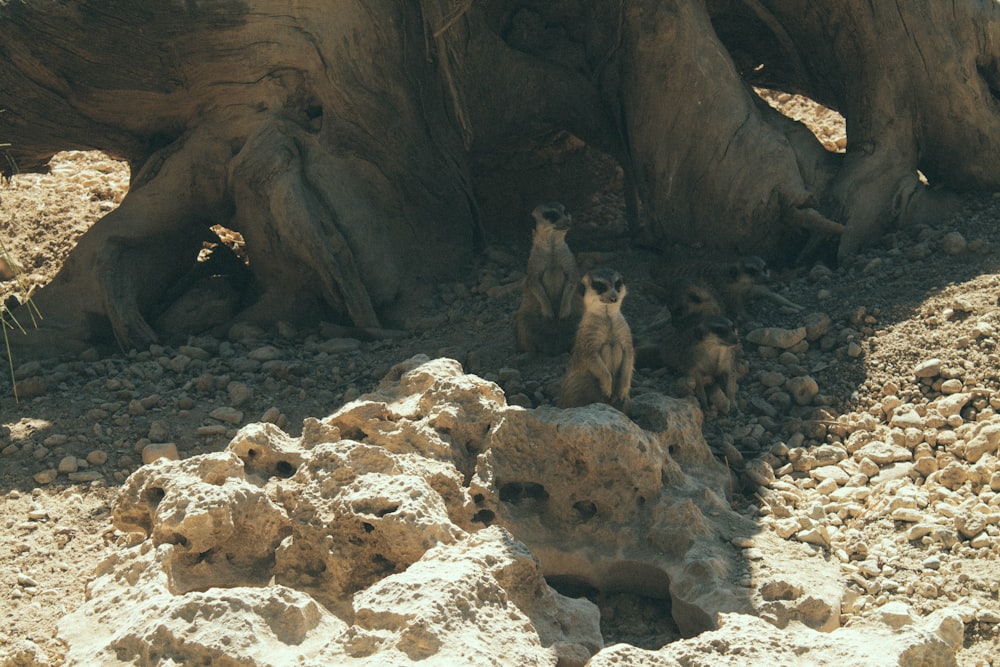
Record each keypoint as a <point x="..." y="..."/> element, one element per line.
<point x="339" y="138"/>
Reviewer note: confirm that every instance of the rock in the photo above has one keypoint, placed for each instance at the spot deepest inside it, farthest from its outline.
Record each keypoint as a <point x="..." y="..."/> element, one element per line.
<point x="97" y="457"/>
<point x="339" y="345"/>
<point x="165" y="450"/>
<point x="953" y="243"/>
<point x="239" y="394"/>
<point x="26" y="581"/>
<point x="906" y="418"/>
<point x="830" y="472"/>
<point x="759" y="472"/>
<point x="265" y="353"/>
<point x="386" y="533"/>
<point x="907" y="514"/>
<point x="896" y="614"/>
<point x="802" y="389"/>
<point x="777" y="337"/>
<point x="227" y="414"/>
<point x="85" y="476"/>
<point x="30" y="387"/>
<point x="949" y="406"/>
<point x="158" y="431"/>
<point x="928" y="369"/>
<point x="21" y="653"/>
<point x="987" y="615"/>
<point x="68" y="464"/>
<point x="984" y="442"/>
<point x="45" y="476"/>
<point x="953" y="475"/>
<point x="952" y="386"/>
<point x="747" y="640"/>
<point x="882" y="453"/>
<point x="816" y="325"/>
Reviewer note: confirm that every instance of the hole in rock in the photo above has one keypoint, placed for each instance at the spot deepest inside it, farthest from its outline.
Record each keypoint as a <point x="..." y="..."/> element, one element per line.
<point x="635" y="603"/>
<point x="536" y="491"/>
<point x="355" y="434"/>
<point x="388" y="510"/>
<point x="511" y="492"/>
<point x="205" y="556"/>
<point x="284" y="469"/>
<point x="572" y="586"/>
<point x="514" y="492"/>
<point x="178" y="539"/>
<point x="585" y="508"/>
<point x="383" y="564"/>
<point x="367" y="526"/>
<point x="314" y="111"/>
<point x="251" y="452"/>
<point x="484" y="517"/>
<point x="155" y="494"/>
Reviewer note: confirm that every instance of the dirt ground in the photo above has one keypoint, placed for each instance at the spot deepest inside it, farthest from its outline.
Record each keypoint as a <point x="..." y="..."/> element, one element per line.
<point x="80" y="425"/>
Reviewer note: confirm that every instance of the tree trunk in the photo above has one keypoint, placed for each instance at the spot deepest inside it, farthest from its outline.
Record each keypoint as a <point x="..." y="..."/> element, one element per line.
<point x="323" y="135"/>
<point x="338" y="138"/>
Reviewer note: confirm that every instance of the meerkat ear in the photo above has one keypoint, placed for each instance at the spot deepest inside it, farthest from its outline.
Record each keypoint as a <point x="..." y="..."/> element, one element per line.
<point x="581" y="288"/>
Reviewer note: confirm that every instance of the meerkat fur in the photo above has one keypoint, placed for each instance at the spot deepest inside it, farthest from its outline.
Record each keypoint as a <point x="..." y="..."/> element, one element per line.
<point x="550" y="307"/>
<point x="706" y="351"/>
<point x="601" y="365"/>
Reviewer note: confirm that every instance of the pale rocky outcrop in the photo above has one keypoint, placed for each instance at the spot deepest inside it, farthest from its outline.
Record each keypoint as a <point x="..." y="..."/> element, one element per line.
<point x="745" y="640"/>
<point x="425" y="522"/>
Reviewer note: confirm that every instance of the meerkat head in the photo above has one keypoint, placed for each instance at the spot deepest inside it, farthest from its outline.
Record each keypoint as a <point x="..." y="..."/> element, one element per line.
<point x="690" y="299"/>
<point x="602" y="288"/>
<point x="717" y="328"/>
<point x="753" y="269"/>
<point x="552" y="215"/>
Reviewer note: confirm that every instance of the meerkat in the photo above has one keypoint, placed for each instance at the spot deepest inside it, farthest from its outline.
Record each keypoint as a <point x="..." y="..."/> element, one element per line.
<point x="550" y="307"/>
<point x="733" y="284"/>
<point x="600" y="367"/>
<point x="705" y="350"/>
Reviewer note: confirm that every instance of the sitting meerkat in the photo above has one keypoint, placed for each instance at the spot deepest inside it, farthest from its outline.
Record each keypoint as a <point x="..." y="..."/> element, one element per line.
<point x="705" y="350"/>
<point x="600" y="368"/>
<point x="550" y="306"/>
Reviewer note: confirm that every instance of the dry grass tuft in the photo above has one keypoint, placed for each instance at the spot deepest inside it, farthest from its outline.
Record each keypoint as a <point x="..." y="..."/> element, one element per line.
<point x="9" y="270"/>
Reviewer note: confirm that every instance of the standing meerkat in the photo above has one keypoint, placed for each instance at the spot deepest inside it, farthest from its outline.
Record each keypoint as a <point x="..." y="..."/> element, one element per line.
<point x="600" y="368"/>
<point x="550" y="307"/>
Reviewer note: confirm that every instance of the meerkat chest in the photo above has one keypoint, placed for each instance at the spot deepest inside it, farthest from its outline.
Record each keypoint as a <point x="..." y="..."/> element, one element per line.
<point x="712" y="356"/>
<point x="553" y="279"/>
<point x="612" y="339"/>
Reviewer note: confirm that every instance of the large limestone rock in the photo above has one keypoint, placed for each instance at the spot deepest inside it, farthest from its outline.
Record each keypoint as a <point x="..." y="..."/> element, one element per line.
<point x="745" y="640"/>
<point x="427" y="522"/>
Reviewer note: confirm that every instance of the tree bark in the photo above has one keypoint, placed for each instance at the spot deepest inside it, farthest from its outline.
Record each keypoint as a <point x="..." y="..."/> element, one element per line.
<point x="339" y="138"/>
<point x="322" y="134"/>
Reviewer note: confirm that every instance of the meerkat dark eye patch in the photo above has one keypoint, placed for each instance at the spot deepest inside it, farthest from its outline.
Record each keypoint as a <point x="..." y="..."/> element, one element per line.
<point x="618" y="285"/>
<point x="551" y="216"/>
<point x="599" y="287"/>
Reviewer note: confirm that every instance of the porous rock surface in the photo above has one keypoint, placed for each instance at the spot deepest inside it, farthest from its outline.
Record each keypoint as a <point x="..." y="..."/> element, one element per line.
<point x="425" y="521"/>
<point x="745" y="640"/>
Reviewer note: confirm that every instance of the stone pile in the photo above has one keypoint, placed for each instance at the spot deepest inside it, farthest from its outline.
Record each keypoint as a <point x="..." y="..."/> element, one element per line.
<point x="908" y="480"/>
